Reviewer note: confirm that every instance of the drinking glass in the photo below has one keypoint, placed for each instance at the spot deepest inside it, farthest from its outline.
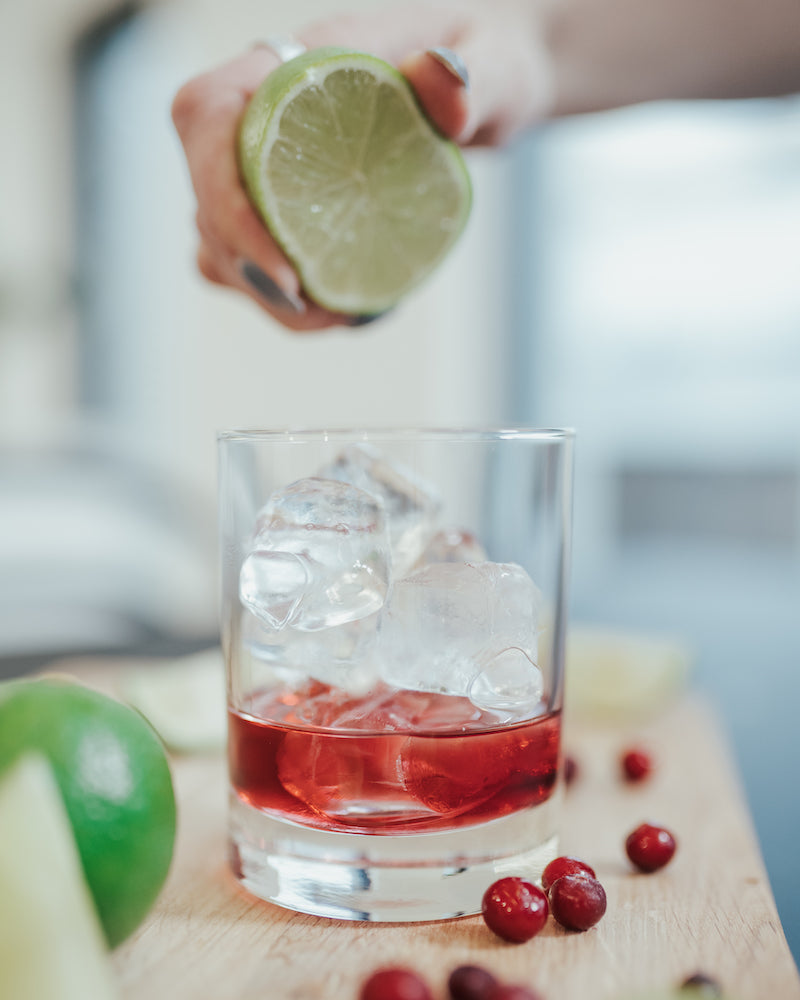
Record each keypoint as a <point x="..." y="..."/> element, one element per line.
<point x="393" y="619"/>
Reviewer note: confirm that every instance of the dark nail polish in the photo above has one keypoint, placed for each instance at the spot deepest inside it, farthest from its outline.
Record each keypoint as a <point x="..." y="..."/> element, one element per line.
<point x="453" y="62"/>
<point x="272" y="293"/>
<point x="365" y="318"/>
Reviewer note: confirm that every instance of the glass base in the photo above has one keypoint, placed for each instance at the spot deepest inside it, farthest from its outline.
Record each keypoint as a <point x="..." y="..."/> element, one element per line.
<point x="433" y="876"/>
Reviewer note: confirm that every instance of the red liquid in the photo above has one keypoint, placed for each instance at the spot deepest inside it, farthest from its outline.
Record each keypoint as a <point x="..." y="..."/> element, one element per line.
<point x="444" y="764"/>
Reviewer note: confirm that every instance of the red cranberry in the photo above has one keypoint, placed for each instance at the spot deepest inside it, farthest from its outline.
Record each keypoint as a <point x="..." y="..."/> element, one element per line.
<point x="395" y="983"/>
<point x="470" y="982"/>
<point x="564" y="866"/>
<point x="510" y="992"/>
<point x="702" y="986"/>
<point x="577" y="901"/>
<point x="571" y="769"/>
<point x="650" y="847"/>
<point x="637" y="764"/>
<point x="514" y="909"/>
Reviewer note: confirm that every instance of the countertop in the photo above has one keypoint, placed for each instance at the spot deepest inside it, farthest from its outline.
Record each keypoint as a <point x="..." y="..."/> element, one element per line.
<point x="711" y="909"/>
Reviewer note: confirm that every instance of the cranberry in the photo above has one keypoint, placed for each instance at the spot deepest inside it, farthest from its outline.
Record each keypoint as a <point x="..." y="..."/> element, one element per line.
<point x="395" y="983"/>
<point x="511" y="992"/>
<point x="650" y="847"/>
<point x="637" y="764"/>
<point x="514" y="909"/>
<point x="571" y="769"/>
<point x="702" y="986"/>
<point x="564" y="866"/>
<point x="577" y="901"/>
<point x="470" y="982"/>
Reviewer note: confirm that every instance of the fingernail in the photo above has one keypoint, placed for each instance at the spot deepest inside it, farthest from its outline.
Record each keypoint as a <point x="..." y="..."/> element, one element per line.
<point x="365" y="318"/>
<point x="453" y="62"/>
<point x="272" y="293"/>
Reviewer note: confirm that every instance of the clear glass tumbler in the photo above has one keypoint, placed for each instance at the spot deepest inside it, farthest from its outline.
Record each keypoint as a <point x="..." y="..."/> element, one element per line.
<point x="393" y="618"/>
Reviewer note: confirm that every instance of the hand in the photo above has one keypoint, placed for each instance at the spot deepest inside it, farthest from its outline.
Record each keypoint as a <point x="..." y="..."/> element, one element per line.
<point x="235" y="248"/>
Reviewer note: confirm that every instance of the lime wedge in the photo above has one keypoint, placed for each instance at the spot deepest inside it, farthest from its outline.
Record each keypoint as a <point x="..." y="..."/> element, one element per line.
<point x="353" y="181"/>
<point x="183" y="700"/>
<point x="617" y="675"/>
<point x="51" y="944"/>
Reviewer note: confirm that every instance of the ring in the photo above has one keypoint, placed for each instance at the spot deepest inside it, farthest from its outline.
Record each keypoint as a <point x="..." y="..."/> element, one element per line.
<point x="283" y="46"/>
<point x="453" y="62"/>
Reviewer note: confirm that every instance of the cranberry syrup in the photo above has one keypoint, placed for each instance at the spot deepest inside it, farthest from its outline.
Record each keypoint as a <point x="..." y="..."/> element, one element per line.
<point x="396" y="762"/>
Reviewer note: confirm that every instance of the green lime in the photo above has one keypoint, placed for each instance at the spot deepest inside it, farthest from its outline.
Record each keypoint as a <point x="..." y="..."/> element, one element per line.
<point x="116" y="784"/>
<point x="351" y="178"/>
<point x="51" y="944"/>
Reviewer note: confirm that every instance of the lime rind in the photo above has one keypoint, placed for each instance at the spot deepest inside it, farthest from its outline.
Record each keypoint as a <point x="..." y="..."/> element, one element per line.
<point x="356" y="185"/>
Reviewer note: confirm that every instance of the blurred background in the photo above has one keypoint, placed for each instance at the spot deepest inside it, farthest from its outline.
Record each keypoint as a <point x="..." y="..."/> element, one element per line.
<point x="635" y="275"/>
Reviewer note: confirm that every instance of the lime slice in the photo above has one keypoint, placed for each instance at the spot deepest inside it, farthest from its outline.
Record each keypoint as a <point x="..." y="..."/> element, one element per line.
<point x="51" y="944"/>
<point x="619" y="675"/>
<point x="353" y="181"/>
<point x="183" y="700"/>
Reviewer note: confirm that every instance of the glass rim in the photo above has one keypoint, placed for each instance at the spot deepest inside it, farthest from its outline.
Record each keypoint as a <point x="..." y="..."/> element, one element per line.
<point x="300" y="434"/>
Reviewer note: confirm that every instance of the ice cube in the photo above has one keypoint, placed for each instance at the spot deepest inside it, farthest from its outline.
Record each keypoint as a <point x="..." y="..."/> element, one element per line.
<point x="387" y="710"/>
<point x="467" y="630"/>
<point x="509" y="767"/>
<point x="319" y="558"/>
<point x="371" y="771"/>
<point x="347" y="779"/>
<point x="449" y="778"/>
<point x="510" y="679"/>
<point x="453" y="545"/>
<point x="412" y="506"/>
<point x="272" y="585"/>
<point x="344" y="779"/>
<point x="343" y="657"/>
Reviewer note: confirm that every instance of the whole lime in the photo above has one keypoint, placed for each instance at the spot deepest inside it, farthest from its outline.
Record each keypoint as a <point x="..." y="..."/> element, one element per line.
<point x="116" y="784"/>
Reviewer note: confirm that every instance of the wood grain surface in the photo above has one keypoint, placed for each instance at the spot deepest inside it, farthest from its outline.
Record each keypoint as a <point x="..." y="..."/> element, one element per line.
<point x="711" y="909"/>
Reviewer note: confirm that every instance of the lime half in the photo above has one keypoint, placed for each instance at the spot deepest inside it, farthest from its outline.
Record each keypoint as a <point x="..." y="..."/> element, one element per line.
<point x="353" y="181"/>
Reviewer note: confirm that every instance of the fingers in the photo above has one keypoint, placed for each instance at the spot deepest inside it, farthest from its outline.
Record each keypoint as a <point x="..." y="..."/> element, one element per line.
<point x="409" y="36"/>
<point x="218" y="266"/>
<point x="434" y="47"/>
<point x="236" y="248"/>
<point x="501" y="44"/>
<point x="207" y="265"/>
<point x="483" y="74"/>
<point x="442" y="88"/>
<point x="510" y="76"/>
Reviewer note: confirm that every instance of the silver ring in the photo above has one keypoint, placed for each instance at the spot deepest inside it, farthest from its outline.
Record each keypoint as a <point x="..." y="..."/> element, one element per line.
<point x="453" y="62"/>
<point x="283" y="46"/>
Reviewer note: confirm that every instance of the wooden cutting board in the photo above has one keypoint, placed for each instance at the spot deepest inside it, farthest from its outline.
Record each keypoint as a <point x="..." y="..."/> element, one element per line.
<point x="711" y="909"/>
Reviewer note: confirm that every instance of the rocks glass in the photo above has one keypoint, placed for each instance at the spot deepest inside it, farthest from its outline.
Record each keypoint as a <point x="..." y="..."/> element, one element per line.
<point x="393" y="619"/>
